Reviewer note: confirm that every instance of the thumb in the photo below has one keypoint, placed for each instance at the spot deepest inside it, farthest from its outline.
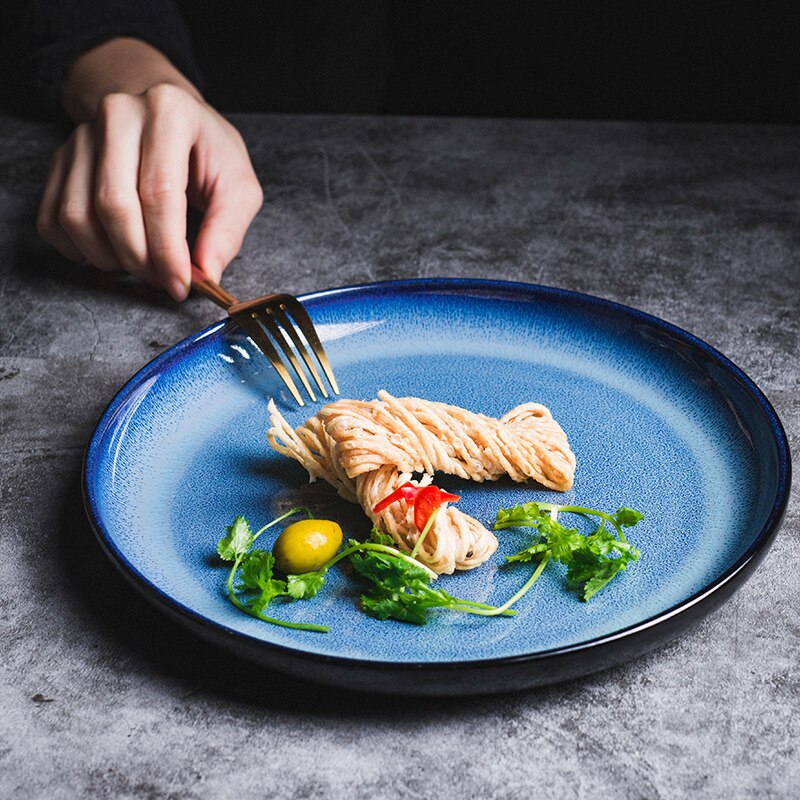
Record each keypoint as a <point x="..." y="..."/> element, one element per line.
<point x="227" y="217"/>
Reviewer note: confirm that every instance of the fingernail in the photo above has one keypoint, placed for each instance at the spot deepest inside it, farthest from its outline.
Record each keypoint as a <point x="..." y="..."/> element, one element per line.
<point x="177" y="288"/>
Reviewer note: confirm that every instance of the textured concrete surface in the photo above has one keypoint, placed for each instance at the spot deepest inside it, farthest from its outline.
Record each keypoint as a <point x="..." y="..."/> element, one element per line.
<point x="102" y="697"/>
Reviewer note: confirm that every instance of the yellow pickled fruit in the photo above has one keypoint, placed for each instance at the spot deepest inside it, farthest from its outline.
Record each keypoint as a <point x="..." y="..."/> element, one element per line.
<point x="306" y="546"/>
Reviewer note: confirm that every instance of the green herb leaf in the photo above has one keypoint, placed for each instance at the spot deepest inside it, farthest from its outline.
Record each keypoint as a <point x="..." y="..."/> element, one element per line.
<point x="627" y="517"/>
<point x="530" y="553"/>
<point x="398" y="589"/>
<point x="592" y="561"/>
<point x="602" y="541"/>
<point x="562" y="542"/>
<point x="379" y="537"/>
<point x="399" y="606"/>
<point x="256" y="570"/>
<point x="593" y="571"/>
<point x="256" y="575"/>
<point x="558" y="542"/>
<point x="387" y="571"/>
<point x="237" y="542"/>
<point x="305" y="586"/>
<point x="526" y="515"/>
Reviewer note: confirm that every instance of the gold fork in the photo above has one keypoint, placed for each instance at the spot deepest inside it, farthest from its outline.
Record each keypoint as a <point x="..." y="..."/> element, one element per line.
<point x="280" y="315"/>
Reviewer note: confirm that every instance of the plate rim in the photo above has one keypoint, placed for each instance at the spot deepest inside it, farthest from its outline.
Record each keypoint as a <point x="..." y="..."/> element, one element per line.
<point x="711" y="594"/>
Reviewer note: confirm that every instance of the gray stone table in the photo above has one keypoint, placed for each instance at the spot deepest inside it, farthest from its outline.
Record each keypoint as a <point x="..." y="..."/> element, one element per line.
<point x="102" y="697"/>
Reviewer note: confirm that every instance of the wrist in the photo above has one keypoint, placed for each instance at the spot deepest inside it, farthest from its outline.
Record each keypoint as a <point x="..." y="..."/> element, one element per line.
<point x="120" y="65"/>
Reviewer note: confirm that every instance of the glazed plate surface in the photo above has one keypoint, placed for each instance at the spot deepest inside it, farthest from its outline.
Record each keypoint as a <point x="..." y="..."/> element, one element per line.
<point x="658" y="420"/>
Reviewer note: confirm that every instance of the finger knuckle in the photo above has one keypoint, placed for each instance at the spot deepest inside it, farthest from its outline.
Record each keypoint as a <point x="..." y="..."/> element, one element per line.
<point x="164" y="97"/>
<point x="157" y="189"/>
<point x="231" y="241"/>
<point x="236" y="135"/>
<point x="255" y="193"/>
<point x="73" y="216"/>
<point x="113" y="204"/>
<point x="112" y="104"/>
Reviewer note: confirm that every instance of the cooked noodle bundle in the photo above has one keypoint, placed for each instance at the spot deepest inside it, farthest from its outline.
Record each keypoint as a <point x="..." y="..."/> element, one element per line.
<point x="367" y="449"/>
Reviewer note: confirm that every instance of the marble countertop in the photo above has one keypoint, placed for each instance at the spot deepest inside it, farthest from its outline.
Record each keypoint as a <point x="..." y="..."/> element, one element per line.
<point x="100" y="696"/>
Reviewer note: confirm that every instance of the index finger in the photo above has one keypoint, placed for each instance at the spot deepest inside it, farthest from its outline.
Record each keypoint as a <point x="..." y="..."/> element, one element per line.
<point x="167" y="141"/>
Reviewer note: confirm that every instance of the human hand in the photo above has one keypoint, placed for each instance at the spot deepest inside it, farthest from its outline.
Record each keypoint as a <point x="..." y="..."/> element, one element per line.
<point x="117" y="191"/>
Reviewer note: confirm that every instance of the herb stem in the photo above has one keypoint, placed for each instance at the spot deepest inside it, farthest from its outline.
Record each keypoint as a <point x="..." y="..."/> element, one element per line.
<point x="291" y="512"/>
<point x="588" y="512"/>
<point x="513" y="599"/>
<point x="501" y="526"/>
<point x="421" y="537"/>
<point x="299" y="626"/>
<point x="250" y="611"/>
<point x="490" y="611"/>
<point x="379" y="548"/>
<point x="475" y="603"/>
<point x="467" y="606"/>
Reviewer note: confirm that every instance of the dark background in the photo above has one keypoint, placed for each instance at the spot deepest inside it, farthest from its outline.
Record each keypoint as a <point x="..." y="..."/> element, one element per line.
<point x="586" y="59"/>
<point x="711" y="61"/>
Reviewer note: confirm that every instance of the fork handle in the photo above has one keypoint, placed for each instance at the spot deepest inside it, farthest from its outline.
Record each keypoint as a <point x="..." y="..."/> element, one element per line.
<point x="211" y="289"/>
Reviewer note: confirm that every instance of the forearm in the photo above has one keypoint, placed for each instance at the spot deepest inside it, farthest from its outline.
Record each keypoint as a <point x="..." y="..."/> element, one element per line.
<point x="119" y="65"/>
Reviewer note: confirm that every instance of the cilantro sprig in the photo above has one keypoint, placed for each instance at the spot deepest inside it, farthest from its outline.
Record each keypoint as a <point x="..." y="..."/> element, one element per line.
<point x="592" y="561"/>
<point x="399" y="589"/>
<point x="396" y="584"/>
<point x="257" y="586"/>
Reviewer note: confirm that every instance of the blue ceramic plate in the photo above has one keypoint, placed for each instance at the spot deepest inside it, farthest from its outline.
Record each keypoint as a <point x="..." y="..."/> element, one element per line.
<point x="658" y="420"/>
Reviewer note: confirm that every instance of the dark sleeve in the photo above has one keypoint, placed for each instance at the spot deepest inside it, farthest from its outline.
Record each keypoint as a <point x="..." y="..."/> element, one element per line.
<point x="51" y="34"/>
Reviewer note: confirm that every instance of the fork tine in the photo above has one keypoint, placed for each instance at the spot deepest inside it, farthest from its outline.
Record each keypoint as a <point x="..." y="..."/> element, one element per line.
<point x="278" y="313"/>
<point x="296" y="311"/>
<point x="265" y="317"/>
<point x="256" y="333"/>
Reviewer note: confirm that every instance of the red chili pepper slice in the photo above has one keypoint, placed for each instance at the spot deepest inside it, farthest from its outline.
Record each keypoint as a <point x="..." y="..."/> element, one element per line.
<point x="424" y="500"/>
<point x="425" y="503"/>
<point x="428" y="499"/>
<point x="405" y="492"/>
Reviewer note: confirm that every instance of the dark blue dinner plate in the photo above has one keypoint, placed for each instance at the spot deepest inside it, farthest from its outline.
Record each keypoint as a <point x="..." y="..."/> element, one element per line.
<point x="658" y="420"/>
